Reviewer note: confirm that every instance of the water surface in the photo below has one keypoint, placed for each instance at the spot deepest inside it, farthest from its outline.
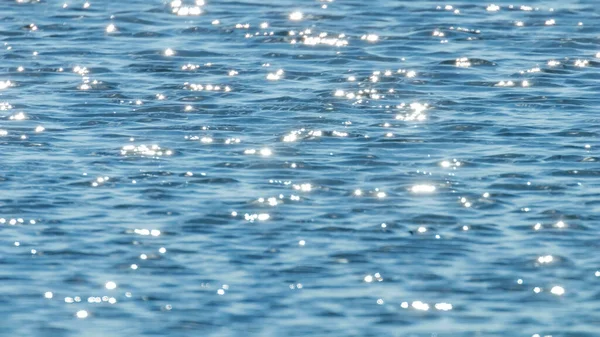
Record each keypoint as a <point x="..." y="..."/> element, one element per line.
<point x="296" y="168"/>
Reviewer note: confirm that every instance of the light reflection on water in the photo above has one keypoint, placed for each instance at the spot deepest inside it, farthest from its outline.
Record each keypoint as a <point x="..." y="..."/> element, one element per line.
<point x="325" y="167"/>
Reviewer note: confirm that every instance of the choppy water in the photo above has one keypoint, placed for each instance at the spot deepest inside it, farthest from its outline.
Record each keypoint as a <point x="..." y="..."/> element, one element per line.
<point x="323" y="168"/>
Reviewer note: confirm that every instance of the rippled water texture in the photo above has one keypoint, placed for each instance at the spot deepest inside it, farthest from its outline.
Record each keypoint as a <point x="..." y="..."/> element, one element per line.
<point x="299" y="168"/>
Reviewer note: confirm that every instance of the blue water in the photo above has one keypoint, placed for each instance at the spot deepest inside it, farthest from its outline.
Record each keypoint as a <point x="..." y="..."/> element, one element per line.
<point x="299" y="168"/>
